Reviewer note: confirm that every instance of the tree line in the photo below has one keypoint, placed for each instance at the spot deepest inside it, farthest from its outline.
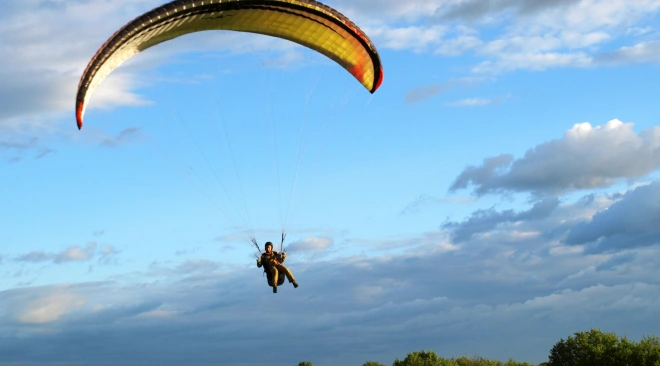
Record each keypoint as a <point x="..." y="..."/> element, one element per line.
<point x="581" y="349"/>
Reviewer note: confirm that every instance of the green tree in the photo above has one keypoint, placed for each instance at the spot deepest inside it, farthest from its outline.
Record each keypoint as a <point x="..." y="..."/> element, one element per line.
<point x="474" y="361"/>
<point x="604" y="349"/>
<point x="305" y="363"/>
<point x="372" y="363"/>
<point x="480" y="361"/>
<point x="421" y="358"/>
<point x="586" y="348"/>
<point x="647" y="352"/>
<point x="512" y="362"/>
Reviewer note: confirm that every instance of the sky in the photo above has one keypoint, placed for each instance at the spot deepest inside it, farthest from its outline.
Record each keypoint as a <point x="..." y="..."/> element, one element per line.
<point x="499" y="192"/>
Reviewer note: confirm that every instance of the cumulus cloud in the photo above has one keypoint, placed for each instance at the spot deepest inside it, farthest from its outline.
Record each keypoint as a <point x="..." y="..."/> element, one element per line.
<point x="631" y="222"/>
<point x="585" y="157"/>
<point x="641" y="52"/>
<point x="473" y="10"/>
<point x="549" y="34"/>
<point x="310" y="244"/>
<point x="76" y="253"/>
<point x="190" y="269"/>
<point x="437" y="39"/>
<point x="486" y="220"/>
<point x="45" y="53"/>
<point x="458" y="45"/>
<point x="532" y="61"/>
<point x="416" y="38"/>
<point x="289" y="59"/>
<point x="48" y="45"/>
<point x="48" y="307"/>
<point x="207" y="320"/>
<point x="73" y="253"/>
<point x="116" y="90"/>
<point x="36" y="256"/>
<point x="198" y="265"/>
<point x="616" y="260"/>
<point x="46" y="58"/>
<point x="364" y="11"/>
<point x="498" y="266"/>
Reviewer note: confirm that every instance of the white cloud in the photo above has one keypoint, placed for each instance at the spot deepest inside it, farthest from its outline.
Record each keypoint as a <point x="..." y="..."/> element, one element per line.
<point x="289" y="59"/>
<point x="198" y="265"/>
<point x="638" y="31"/>
<point x="415" y="38"/>
<point x="532" y="61"/>
<point x="366" y="317"/>
<point x="484" y="221"/>
<point x="630" y="222"/>
<point x="563" y="36"/>
<point x="116" y="91"/>
<point x="310" y="244"/>
<point x="48" y="307"/>
<point x="592" y="14"/>
<point x="459" y="45"/>
<point x="366" y="11"/>
<point x="510" y="264"/>
<point x="586" y="157"/>
<point x="47" y="45"/>
<point x="642" y="52"/>
<point x="74" y="253"/>
<point x="548" y="34"/>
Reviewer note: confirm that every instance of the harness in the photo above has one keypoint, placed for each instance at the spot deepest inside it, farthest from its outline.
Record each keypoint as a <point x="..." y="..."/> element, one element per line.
<point x="265" y="259"/>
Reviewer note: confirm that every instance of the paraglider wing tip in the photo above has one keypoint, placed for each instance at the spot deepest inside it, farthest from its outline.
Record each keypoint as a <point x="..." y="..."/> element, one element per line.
<point x="79" y="117"/>
<point x="379" y="81"/>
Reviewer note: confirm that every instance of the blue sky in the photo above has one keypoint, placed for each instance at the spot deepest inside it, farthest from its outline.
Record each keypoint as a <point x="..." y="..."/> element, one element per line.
<point x="500" y="190"/>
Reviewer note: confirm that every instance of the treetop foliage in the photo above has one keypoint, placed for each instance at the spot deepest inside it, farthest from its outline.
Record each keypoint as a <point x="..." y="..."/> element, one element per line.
<point x="605" y="349"/>
<point x="582" y="349"/>
<point x="430" y="358"/>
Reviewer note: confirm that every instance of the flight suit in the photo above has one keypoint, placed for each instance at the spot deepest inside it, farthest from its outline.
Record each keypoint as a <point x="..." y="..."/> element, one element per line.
<point x="273" y="264"/>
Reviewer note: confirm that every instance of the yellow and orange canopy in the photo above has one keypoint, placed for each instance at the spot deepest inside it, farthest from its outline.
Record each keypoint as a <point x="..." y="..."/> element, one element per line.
<point x="306" y="22"/>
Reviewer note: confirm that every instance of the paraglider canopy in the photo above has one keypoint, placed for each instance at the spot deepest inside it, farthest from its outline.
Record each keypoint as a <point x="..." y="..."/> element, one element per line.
<point x="306" y="22"/>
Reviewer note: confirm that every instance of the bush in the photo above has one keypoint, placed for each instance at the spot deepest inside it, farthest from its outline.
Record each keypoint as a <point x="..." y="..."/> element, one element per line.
<point x="429" y="358"/>
<point x="372" y="363"/>
<point x="421" y="358"/>
<point x="305" y="363"/>
<point x="480" y="361"/>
